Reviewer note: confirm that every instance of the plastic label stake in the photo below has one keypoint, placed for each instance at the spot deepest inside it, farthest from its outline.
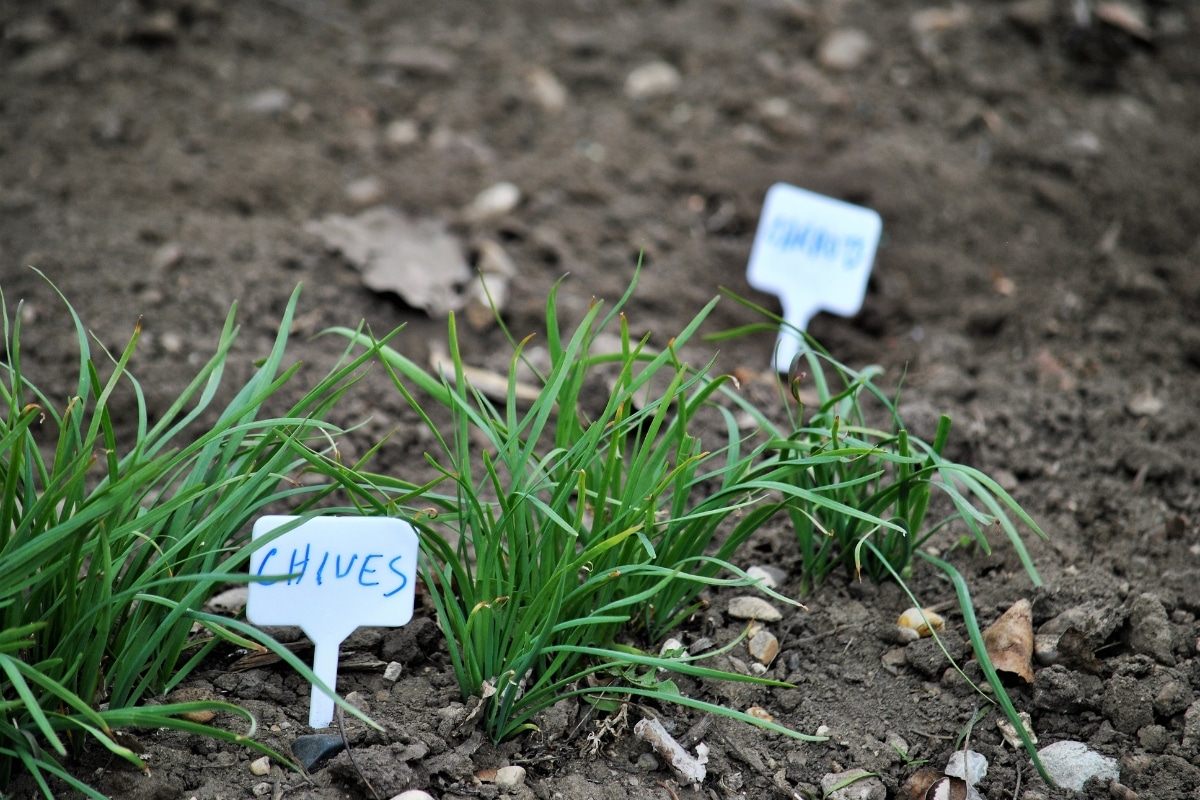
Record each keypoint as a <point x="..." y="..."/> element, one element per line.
<point x="815" y="253"/>
<point x="329" y="575"/>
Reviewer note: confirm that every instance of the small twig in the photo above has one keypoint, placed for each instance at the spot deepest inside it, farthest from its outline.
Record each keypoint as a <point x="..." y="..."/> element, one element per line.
<point x="932" y="735"/>
<point x="670" y="791"/>
<point x="1017" y="788"/>
<point x="350" y="753"/>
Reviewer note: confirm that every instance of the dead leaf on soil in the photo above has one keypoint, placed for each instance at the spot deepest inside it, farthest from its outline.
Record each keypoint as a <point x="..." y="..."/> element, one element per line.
<point x="417" y="259"/>
<point x="1009" y="641"/>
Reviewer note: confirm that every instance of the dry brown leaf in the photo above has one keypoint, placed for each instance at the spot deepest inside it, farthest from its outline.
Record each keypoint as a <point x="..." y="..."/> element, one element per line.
<point x="1009" y="641"/>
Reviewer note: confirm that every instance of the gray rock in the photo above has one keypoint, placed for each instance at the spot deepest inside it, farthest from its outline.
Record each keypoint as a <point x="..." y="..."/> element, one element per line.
<point x="1072" y="764"/>
<point x="1150" y="629"/>
<point x="313" y="749"/>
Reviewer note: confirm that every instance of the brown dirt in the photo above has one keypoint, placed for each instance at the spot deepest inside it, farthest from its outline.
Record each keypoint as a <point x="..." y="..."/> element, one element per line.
<point x="1038" y="281"/>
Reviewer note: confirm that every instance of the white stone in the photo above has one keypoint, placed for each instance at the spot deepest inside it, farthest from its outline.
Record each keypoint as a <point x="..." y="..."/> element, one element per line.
<point x="392" y="672"/>
<point x="656" y="79"/>
<point x="366" y="191"/>
<point x="844" y="49"/>
<point x="268" y="101"/>
<point x="510" y="777"/>
<point x="1071" y="764"/>
<point x="672" y="648"/>
<point x="401" y="133"/>
<point x="769" y="577"/>
<point x="494" y="201"/>
<point x="413" y="794"/>
<point x="547" y="90"/>
<point x="260" y="766"/>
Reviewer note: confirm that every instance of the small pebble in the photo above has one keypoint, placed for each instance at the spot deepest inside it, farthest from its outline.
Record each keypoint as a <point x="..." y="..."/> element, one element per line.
<point x="1045" y="648"/>
<point x="365" y="191"/>
<point x="672" y="648"/>
<point x="656" y="79"/>
<point x="392" y="672"/>
<point x="260" y="766"/>
<point x="770" y="577"/>
<point x="173" y="343"/>
<point x="510" y="777"/>
<point x="763" y="646"/>
<point x="756" y="608"/>
<point x="758" y="712"/>
<point x="413" y="794"/>
<point x="843" y="49"/>
<point x="359" y="701"/>
<point x="494" y="201"/>
<point x="547" y="90"/>
<point x="894" y="659"/>
<point x="268" y="101"/>
<point x="647" y="763"/>
<point x="401" y="133"/>
<point x="262" y="789"/>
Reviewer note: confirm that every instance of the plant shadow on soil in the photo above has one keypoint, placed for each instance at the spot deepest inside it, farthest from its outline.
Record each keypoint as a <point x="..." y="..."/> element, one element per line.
<point x="1038" y="282"/>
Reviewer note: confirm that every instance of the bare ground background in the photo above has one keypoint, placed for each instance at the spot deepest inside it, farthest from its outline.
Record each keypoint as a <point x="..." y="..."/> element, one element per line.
<point x="1037" y="281"/>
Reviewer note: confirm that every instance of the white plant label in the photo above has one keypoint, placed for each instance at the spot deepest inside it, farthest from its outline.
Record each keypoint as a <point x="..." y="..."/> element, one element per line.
<point x="344" y="572"/>
<point x="815" y="253"/>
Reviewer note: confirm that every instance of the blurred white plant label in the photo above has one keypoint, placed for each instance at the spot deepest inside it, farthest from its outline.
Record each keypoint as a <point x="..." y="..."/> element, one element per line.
<point x="815" y="253"/>
<point x="329" y="575"/>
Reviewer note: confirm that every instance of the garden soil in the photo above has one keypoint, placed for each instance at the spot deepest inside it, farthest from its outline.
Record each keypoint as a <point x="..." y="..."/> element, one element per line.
<point x="1036" y="167"/>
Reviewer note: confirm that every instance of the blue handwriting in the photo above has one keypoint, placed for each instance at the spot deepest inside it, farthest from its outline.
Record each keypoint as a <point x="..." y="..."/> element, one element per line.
<point x="299" y="560"/>
<point x="816" y="242"/>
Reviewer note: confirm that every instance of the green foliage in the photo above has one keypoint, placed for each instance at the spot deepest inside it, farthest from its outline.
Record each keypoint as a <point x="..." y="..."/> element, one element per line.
<point x="564" y="530"/>
<point x="884" y="472"/>
<point x="110" y="544"/>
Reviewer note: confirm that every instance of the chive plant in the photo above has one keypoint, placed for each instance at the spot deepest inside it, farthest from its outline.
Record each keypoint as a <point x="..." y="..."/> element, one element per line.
<point x="855" y="449"/>
<point x="110" y="545"/>
<point x="568" y="534"/>
<point x="565" y="535"/>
